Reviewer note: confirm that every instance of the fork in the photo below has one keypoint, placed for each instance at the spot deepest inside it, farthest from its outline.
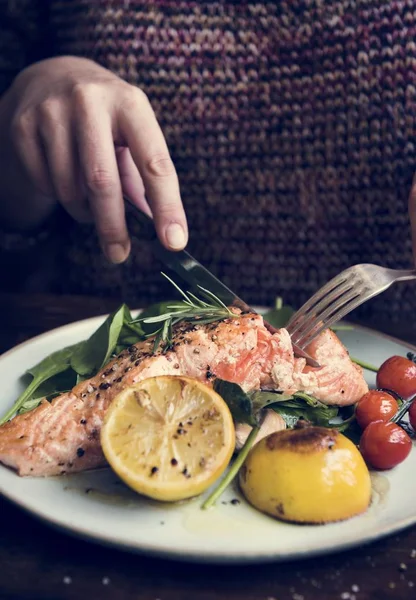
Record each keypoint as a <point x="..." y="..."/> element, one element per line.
<point x="339" y="297"/>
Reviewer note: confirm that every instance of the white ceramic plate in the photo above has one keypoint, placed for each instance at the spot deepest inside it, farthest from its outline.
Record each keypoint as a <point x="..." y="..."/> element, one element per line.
<point x="98" y="506"/>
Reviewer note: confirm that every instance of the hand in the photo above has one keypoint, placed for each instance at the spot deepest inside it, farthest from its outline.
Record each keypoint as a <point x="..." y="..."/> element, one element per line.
<point x="72" y="132"/>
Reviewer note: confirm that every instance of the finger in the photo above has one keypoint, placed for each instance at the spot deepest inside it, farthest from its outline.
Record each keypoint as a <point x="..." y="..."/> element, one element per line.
<point x="24" y="132"/>
<point x="100" y="174"/>
<point x="412" y="215"/>
<point x="131" y="182"/>
<point x="61" y="156"/>
<point x="139" y="127"/>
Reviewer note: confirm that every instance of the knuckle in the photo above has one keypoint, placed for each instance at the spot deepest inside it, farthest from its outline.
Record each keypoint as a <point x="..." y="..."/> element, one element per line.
<point x="49" y="108"/>
<point x="84" y="93"/>
<point x="22" y="124"/>
<point x="99" y="180"/>
<point x="132" y="98"/>
<point x="160" y="165"/>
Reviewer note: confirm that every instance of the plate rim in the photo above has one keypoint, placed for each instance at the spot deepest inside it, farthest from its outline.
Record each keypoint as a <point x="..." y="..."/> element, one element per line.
<point x="190" y="554"/>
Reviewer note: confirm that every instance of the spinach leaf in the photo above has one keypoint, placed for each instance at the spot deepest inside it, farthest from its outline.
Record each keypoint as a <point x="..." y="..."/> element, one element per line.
<point x="52" y="365"/>
<point x="62" y="370"/>
<point x="316" y="415"/>
<point x="95" y="352"/>
<point x="239" y="403"/>
<point x="131" y="333"/>
<point x="49" y="389"/>
<point x="293" y="407"/>
<point x="29" y="405"/>
<point x="262" y="399"/>
<point x="279" y="315"/>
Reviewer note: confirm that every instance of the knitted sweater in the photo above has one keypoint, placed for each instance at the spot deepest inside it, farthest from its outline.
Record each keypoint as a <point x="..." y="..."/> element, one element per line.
<point x="291" y="125"/>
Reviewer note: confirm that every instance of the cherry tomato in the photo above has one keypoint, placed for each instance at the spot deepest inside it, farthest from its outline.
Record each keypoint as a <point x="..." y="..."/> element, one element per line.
<point x="412" y="415"/>
<point x="384" y="445"/>
<point x="375" y="405"/>
<point x="398" y="373"/>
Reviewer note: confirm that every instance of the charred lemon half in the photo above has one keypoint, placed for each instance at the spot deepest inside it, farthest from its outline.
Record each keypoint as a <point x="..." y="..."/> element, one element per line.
<point x="306" y="475"/>
<point x="168" y="437"/>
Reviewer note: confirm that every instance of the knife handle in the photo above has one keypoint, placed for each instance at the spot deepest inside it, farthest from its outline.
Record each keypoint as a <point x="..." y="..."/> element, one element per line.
<point x="146" y="223"/>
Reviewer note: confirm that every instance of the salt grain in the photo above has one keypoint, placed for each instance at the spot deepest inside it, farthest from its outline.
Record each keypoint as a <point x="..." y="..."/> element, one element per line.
<point x="410" y="584"/>
<point x="355" y="588"/>
<point x="105" y="580"/>
<point x="402" y="567"/>
<point x="67" y="580"/>
<point x="298" y="597"/>
<point x="413" y="553"/>
<point x="392" y="585"/>
<point x="345" y="596"/>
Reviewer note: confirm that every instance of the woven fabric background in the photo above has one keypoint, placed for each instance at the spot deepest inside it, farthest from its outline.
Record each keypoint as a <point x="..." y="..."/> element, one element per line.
<point x="291" y="124"/>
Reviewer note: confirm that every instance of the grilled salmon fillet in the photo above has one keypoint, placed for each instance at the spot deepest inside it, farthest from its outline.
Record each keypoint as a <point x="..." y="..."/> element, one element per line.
<point x="63" y="436"/>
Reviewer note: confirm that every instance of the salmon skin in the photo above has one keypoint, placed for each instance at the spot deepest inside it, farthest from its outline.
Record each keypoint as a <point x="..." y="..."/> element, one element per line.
<point x="63" y="436"/>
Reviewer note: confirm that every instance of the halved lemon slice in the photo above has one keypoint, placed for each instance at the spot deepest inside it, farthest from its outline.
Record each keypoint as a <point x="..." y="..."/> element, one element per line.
<point x="168" y="437"/>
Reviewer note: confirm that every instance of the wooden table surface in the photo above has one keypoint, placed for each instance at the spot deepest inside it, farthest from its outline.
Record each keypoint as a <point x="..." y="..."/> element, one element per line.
<point x="39" y="563"/>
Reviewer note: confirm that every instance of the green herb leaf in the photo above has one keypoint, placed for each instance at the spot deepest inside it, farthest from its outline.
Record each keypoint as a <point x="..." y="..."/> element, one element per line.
<point x="156" y="310"/>
<point x="239" y="403"/>
<point x="95" y="352"/>
<point x="61" y="370"/>
<point x="52" y="365"/>
<point x="264" y="399"/>
<point x="192" y="309"/>
<point x="280" y="315"/>
<point x="49" y="389"/>
<point x="299" y="409"/>
<point x="292" y="407"/>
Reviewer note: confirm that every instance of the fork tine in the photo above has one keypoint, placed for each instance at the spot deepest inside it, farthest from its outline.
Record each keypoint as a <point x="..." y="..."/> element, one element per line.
<point x="347" y="308"/>
<point x="336" y="294"/>
<point x="326" y="289"/>
<point x="322" y="317"/>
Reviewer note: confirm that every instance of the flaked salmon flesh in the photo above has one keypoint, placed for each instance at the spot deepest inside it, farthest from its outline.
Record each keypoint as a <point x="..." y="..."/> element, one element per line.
<point x="63" y="436"/>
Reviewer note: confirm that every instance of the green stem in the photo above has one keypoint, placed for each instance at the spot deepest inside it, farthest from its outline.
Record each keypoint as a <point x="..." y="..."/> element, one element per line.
<point x="342" y="328"/>
<point x="242" y="455"/>
<point x="364" y="365"/>
<point x="403" y="410"/>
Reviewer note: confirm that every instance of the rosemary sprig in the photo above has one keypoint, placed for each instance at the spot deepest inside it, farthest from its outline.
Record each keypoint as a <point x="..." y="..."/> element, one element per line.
<point x="203" y="309"/>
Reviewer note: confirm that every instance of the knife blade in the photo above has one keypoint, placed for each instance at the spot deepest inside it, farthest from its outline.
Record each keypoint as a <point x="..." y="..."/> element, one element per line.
<point x="195" y="274"/>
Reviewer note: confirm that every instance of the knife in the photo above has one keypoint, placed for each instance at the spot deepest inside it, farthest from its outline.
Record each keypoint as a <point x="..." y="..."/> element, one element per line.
<point x="195" y="274"/>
